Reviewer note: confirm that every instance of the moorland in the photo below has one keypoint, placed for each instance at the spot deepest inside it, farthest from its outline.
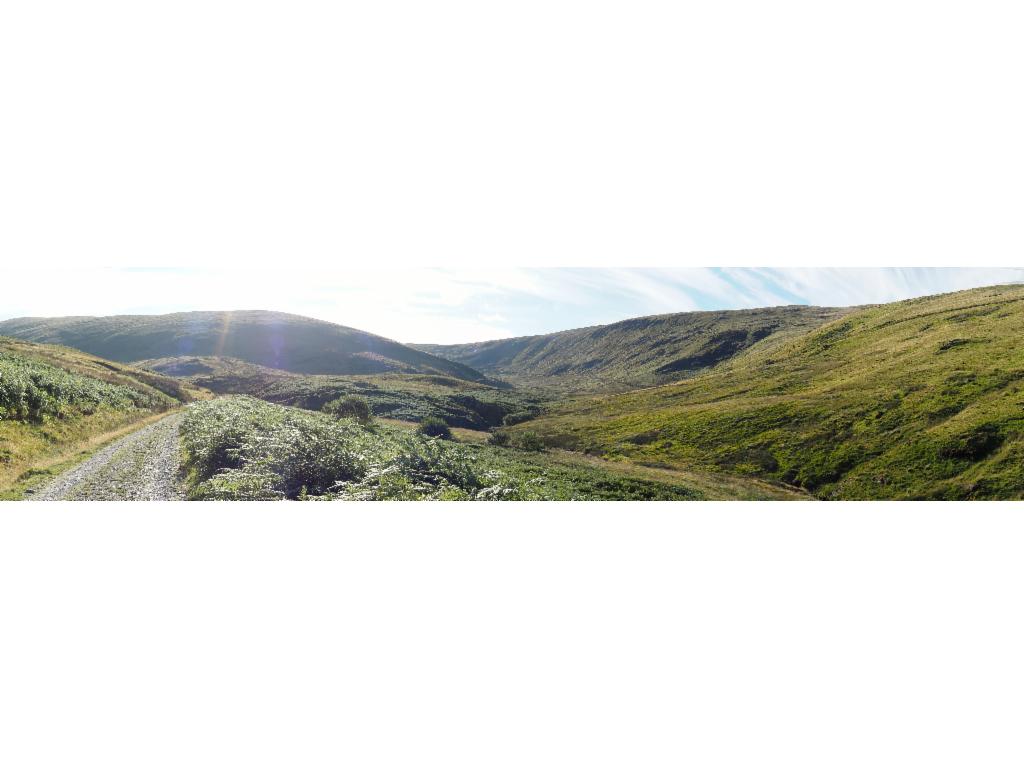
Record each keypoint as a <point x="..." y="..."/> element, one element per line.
<point x="919" y="399"/>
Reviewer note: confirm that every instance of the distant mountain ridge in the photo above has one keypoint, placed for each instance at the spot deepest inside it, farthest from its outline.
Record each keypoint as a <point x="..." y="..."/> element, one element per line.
<point x="640" y="352"/>
<point x="271" y="339"/>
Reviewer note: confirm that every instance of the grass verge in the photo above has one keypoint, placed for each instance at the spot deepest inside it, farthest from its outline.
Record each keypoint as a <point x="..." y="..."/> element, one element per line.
<point x="77" y="444"/>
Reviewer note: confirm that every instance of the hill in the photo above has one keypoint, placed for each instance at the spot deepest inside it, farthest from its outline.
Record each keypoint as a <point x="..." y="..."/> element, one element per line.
<point x="54" y="401"/>
<point x="408" y="397"/>
<point x="916" y="399"/>
<point x="641" y="352"/>
<point x="271" y="339"/>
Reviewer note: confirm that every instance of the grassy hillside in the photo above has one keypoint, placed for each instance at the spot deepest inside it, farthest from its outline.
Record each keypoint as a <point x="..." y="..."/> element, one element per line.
<point x="641" y="352"/>
<point x="917" y="399"/>
<point x="53" y="400"/>
<point x="271" y="339"/>
<point x="243" y="448"/>
<point x="410" y="397"/>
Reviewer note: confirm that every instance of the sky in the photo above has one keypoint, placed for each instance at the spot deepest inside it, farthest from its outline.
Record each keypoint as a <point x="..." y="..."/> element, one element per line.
<point x="448" y="306"/>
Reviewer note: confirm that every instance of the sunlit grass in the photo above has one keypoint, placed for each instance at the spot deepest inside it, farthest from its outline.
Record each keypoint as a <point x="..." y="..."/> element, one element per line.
<point x="919" y="399"/>
<point x="55" y="401"/>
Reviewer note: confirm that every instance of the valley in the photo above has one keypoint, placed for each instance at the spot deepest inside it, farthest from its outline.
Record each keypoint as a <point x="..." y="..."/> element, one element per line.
<point x="919" y="399"/>
<point x="411" y="397"/>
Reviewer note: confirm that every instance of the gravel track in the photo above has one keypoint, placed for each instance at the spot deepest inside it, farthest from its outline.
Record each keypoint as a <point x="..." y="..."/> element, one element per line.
<point x="143" y="466"/>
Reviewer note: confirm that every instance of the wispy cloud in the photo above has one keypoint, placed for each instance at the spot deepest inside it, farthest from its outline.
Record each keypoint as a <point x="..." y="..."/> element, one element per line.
<point x="448" y="306"/>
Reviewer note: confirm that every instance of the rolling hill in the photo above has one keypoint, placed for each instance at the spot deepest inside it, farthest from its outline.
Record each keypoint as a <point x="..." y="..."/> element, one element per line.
<point x="55" y="400"/>
<point x="407" y="397"/>
<point x="641" y="352"/>
<point x="917" y="399"/>
<point x="270" y="339"/>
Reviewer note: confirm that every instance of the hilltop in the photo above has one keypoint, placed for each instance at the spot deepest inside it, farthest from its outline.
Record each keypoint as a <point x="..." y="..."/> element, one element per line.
<point x="271" y="339"/>
<point x="641" y="352"/>
<point x="916" y="399"/>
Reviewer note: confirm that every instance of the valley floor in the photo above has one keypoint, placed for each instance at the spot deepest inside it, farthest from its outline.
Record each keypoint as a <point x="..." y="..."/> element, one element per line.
<point x="145" y="465"/>
<point x="712" y="487"/>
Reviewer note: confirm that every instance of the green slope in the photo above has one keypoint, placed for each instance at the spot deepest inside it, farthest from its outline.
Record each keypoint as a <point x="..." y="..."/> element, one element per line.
<point x="917" y="399"/>
<point x="409" y="397"/>
<point x="55" y="400"/>
<point x="272" y="339"/>
<point x="641" y="352"/>
<point x="243" y="448"/>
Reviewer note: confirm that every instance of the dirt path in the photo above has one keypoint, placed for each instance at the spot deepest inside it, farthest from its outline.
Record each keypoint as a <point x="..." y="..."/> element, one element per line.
<point x="715" y="487"/>
<point x="140" y="467"/>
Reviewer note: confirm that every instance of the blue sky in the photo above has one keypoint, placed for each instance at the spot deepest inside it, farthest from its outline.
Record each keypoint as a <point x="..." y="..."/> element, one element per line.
<point x="459" y="305"/>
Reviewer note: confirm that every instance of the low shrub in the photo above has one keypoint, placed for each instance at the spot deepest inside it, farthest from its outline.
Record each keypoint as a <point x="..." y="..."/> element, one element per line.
<point x="500" y="439"/>
<point x="243" y="448"/>
<point x="434" y="427"/>
<point x="31" y="390"/>
<point x="973" y="444"/>
<point x="519" y="417"/>
<point x="350" y="406"/>
<point x="247" y="449"/>
<point x="529" y="441"/>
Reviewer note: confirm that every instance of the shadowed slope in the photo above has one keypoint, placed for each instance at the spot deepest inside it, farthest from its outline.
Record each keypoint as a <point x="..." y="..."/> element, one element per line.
<point x="411" y="397"/>
<point x="641" y="352"/>
<point x="271" y="339"/>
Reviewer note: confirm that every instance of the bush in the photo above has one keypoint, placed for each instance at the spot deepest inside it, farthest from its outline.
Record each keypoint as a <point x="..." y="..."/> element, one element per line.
<point x="243" y="448"/>
<point x="352" y="407"/>
<point x="434" y="427"/>
<point x="972" y="445"/>
<point x="518" y="417"/>
<point x="530" y="441"/>
<point x="500" y="439"/>
<point x="31" y="390"/>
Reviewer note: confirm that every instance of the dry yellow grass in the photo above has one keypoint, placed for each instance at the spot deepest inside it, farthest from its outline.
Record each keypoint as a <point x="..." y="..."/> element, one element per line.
<point x="44" y="454"/>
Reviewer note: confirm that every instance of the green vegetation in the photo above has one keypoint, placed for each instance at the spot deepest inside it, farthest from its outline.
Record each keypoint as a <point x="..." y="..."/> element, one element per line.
<point x="921" y="399"/>
<point x="641" y="352"/>
<point x="434" y="427"/>
<point x="500" y="438"/>
<point x="271" y="339"/>
<point x="351" y="407"/>
<point x="528" y="441"/>
<point x="33" y="391"/>
<point x="54" y="400"/>
<point x="244" y="448"/>
<point x="408" y="397"/>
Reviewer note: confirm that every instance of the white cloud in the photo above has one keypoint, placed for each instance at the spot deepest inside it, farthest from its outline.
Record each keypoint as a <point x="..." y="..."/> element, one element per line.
<point x="448" y="306"/>
<point x="846" y="287"/>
